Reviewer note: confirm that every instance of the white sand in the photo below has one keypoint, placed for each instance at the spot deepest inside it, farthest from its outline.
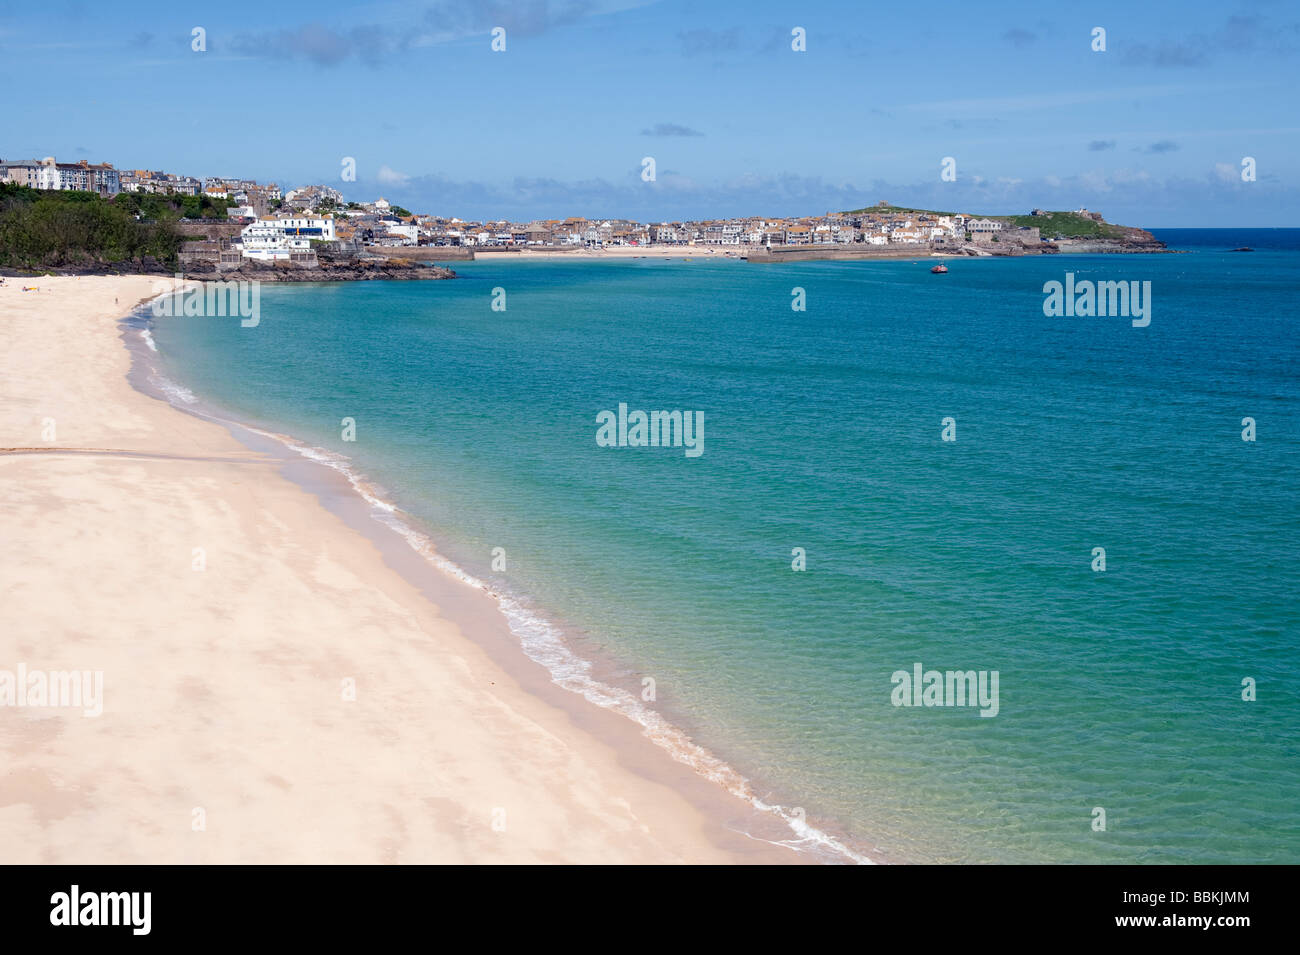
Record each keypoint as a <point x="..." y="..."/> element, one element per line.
<point x="616" y="252"/>
<point x="223" y="687"/>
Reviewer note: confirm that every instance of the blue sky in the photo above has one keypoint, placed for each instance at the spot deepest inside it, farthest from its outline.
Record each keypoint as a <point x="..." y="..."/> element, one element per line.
<point x="1150" y="132"/>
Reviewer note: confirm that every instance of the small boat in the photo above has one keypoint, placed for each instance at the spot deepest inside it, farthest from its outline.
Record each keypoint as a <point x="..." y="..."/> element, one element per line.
<point x="939" y="269"/>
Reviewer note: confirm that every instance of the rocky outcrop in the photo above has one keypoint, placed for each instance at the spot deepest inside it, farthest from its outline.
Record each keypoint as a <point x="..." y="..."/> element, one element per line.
<point x="324" y="272"/>
<point x="1131" y="240"/>
<point x="259" y="272"/>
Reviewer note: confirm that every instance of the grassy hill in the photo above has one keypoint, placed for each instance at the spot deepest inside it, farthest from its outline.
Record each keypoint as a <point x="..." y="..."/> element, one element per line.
<point x="887" y="208"/>
<point x="1066" y="225"/>
<point x="1052" y="225"/>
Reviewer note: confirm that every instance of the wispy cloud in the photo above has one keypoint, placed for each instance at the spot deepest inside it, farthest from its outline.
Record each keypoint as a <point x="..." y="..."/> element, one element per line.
<point x="974" y="123"/>
<point x="1019" y="38"/>
<point x="322" y="45"/>
<point x="1043" y="100"/>
<point x="670" y="129"/>
<point x="1238" y="34"/>
<point x="443" y="21"/>
<point x="456" y="18"/>
<point x="1162" y="146"/>
<point x="700" y="42"/>
<point x="1166" y="54"/>
<point x="1101" y="145"/>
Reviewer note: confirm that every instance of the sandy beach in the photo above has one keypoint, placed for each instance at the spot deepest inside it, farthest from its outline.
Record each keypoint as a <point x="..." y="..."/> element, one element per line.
<point x="692" y="253"/>
<point x="276" y="686"/>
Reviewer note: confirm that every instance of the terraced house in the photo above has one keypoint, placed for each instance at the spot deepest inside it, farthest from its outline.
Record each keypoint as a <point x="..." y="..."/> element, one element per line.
<point x="47" y="173"/>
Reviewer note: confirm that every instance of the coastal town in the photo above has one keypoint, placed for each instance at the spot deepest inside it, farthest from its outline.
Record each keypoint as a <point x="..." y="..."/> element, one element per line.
<point x="314" y="226"/>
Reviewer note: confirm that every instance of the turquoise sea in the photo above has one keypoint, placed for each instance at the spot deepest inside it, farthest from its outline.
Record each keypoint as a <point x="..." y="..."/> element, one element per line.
<point x="1119" y="689"/>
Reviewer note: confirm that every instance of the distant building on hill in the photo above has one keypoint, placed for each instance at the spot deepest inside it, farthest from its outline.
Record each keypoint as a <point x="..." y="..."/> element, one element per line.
<point x="47" y="173"/>
<point x="161" y="183"/>
<point x="20" y="171"/>
<point x="309" y="197"/>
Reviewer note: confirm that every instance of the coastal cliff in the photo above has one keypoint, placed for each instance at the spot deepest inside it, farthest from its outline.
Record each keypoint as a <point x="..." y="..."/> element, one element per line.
<point x="1129" y="240"/>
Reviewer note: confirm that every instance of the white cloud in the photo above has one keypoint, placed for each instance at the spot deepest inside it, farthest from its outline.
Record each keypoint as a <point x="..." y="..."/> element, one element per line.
<point x="1226" y="172"/>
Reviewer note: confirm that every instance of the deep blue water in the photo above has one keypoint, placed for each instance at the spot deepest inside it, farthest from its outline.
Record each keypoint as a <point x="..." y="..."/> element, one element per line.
<point x="1229" y="239"/>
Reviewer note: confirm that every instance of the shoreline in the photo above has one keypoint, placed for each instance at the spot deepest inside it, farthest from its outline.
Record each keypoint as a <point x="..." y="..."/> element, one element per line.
<point x="575" y="682"/>
<point x="675" y="813"/>
<point x="417" y="264"/>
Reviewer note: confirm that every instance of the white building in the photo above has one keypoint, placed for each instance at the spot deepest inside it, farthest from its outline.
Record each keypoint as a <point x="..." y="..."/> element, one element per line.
<point x="276" y="237"/>
<point x="665" y="234"/>
<point x="724" y="233"/>
<point x="908" y="235"/>
<point x="100" y="178"/>
<point x="409" y="234"/>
